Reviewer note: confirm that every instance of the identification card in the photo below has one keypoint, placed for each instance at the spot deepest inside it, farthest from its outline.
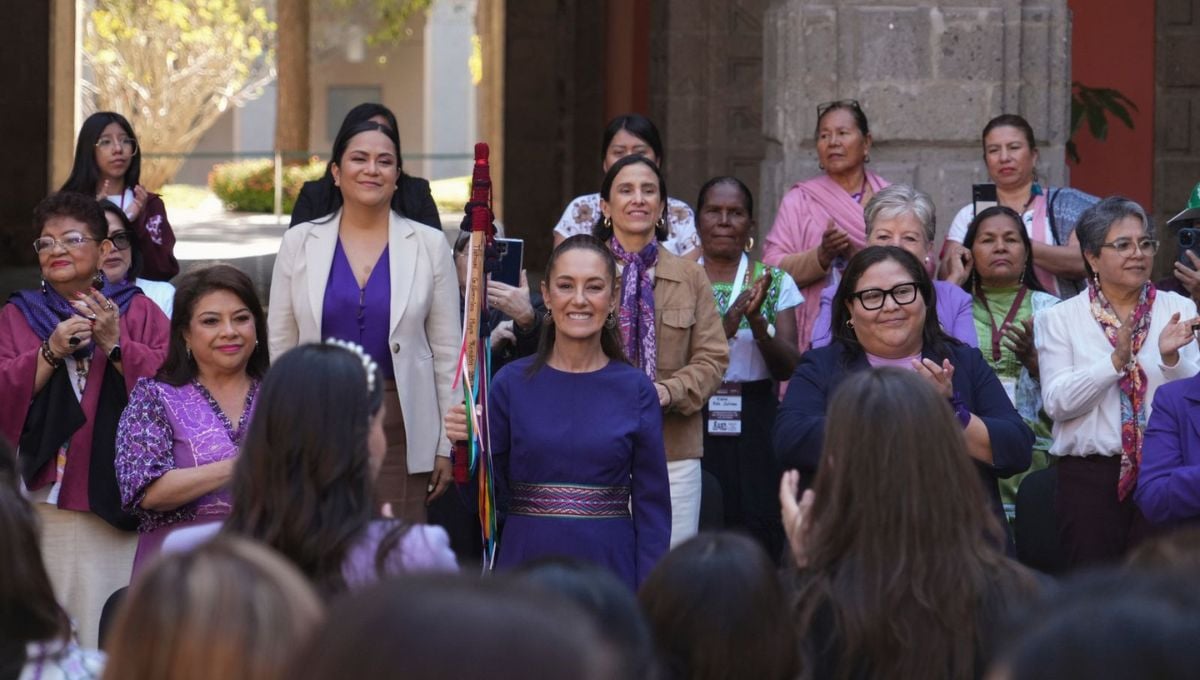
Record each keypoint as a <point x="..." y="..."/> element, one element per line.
<point x="725" y="411"/>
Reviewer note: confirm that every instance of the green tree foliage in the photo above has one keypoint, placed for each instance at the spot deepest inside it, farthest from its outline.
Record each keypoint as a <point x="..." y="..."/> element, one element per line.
<point x="1094" y="105"/>
<point x="173" y="67"/>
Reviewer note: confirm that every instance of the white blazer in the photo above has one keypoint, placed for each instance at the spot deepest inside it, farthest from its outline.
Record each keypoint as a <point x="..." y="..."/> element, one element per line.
<point x="425" y="320"/>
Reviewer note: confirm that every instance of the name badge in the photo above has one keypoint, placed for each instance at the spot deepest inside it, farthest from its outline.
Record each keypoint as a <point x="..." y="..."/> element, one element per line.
<point x="725" y="411"/>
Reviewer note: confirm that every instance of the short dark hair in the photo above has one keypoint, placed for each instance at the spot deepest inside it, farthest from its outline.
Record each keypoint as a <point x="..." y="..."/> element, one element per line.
<point x="612" y="606"/>
<point x="934" y="339"/>
<point x="179" y="368"/>
<point x="637" y="125"/>
<point x="747" y="197"/>
<point x="604" y="232"/>
<point x="1028" y="277"/>
<point x="718" y="610"/>
<point x="85" y="174"/>
<point x="79" y="207"/>
<point x="500" y="629"/>
<point x="610" y="342"/>
<point x="1010" y="120"/>
<point x="135" y="244"/>
<point x="855" y="110"/>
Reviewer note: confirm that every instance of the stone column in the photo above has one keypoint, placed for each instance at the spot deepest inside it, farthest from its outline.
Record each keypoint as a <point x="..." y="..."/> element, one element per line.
<point x="928" y="76"/>
<point x="1177" y="113"/>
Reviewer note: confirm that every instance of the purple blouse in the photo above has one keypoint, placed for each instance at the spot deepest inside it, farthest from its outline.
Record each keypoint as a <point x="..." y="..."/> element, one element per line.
<point x="361" y="315"/>
<point x="422" y="548"/>
<point x="166" y="427"/>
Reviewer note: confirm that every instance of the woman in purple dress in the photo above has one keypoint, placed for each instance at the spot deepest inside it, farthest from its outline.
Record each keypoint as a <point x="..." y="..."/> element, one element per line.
<point x="576" y="432"/>
<point x="179" y="435"/>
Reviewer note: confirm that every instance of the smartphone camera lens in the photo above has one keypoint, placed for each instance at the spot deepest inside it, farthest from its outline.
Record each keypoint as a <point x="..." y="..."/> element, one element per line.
<point x="1187" y="238"/>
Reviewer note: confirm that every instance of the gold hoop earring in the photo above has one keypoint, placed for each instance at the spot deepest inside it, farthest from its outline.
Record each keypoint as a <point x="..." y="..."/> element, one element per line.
<point x="850" y="323"/>
<point x="608" y="222"/>
<point x="749" y="245"/>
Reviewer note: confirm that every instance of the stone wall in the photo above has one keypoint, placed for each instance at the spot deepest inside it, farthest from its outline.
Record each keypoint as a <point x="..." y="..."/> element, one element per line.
<point x="928" y="77"/>
<point x="706" y="90"/>
<point x="1177" y="112"/>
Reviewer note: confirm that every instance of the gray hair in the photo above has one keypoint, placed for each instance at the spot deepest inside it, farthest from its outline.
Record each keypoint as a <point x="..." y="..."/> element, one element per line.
<point x="1093" y="225"/>
<point x="897" y="200"/>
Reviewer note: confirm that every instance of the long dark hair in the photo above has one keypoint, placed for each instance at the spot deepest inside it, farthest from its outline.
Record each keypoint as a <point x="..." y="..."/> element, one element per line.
<point x="637" y="125"/>
<point x="303" y="482"/>
<point x="603" y="231"/>
<point x="357" y="122"/>
<point x="85" y="174"/>
<point x="179" y="368"/>
<point x="933" y="338"/>
<point x="718" y="610"/>
<point x="610" y="341"/>
<point x="135" y="248"/>
<point x="1028" y="277"/>
<point x="29" y="611"/>
<point x="901" y="545"/>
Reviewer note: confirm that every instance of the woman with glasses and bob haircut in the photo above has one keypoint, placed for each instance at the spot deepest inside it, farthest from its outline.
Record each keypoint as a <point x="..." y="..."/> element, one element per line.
<point x="882" y="316"/>
<point x="108" y="165"/>
<point x="1103" y="354"/>
<point x="820" y="221"/>
<point x="70" y="353"/>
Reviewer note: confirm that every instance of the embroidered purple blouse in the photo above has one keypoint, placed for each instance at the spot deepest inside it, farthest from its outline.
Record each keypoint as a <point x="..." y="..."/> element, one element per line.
<point x="166" y="427"/>
<point x="361" y="315"/>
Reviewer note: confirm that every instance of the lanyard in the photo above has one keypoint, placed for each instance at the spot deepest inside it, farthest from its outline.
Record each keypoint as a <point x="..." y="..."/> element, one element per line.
<point x="998" y="333"/>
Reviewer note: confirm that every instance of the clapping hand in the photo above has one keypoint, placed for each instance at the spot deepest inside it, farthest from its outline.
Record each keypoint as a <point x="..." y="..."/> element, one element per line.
<point x="1019" y="339"/>
<point x="834" y="242"/>
<point x="1176" y="335"/>
<point x="795" y="510"/>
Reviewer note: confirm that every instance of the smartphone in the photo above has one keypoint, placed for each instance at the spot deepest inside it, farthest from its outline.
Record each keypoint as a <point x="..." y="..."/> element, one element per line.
<point x="983" y="196"/>
<point x="511" y="261"/>
<point x="1189" y="239"/>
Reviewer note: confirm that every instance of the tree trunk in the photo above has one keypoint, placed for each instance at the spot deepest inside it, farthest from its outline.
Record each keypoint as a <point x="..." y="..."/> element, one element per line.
<point x="292" y="85"/>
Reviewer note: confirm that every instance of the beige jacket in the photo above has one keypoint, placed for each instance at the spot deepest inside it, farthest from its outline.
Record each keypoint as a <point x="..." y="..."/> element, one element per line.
<point x="425" y="322"/>
<point x="692" y="350"/>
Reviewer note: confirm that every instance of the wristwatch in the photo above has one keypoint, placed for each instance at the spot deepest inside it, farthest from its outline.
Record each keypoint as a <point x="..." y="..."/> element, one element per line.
<point x="114" y="354"/>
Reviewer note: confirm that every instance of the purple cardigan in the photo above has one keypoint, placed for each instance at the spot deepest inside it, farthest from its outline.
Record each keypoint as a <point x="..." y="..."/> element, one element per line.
<point x="953" y="310"/>
<point x="1168" y="488"/>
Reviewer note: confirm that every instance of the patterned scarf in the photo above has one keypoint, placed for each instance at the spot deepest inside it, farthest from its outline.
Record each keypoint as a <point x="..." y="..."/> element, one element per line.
<point x="637" y="305"/>
<point x="44" y="309"/>
<point x="1132" y="382"/>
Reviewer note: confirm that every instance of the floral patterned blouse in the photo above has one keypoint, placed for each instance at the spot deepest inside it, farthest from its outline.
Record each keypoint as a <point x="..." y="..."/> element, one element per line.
<point x="583" y="213"/>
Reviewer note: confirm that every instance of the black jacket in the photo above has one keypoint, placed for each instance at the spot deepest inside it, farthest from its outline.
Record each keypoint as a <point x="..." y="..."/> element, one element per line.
<point x="412" y="200"/>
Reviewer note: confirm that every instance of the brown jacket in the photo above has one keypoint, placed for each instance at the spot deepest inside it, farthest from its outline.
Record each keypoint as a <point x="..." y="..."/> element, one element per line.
<point x="692" y="350"/>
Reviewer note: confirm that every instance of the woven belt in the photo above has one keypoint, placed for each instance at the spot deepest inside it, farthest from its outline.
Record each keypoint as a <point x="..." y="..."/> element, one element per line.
<point x="569" y="500"/>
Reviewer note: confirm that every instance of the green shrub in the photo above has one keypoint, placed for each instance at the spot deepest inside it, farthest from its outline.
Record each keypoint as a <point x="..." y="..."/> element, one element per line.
<point x="249" y="186"/>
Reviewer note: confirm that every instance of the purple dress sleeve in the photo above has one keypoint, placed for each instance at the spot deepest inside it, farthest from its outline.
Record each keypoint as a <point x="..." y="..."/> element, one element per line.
<point x="1168" y="488"/>
<point x="954" y="312"/>
<point x="651" y="490"/>
<point x="144" y="447"/>
<point x="822" y="330"/>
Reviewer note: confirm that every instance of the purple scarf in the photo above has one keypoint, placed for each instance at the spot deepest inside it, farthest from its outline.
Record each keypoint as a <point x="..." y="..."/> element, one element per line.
<point x="637" y="305"/>
<point x="44" y="309"/>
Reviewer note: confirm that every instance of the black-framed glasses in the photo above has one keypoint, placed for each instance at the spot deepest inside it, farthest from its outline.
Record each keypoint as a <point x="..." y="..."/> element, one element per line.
<point x="69" y="242"/>
<point x="120" y="240"/>
<point x="107" y="144"/>
<point x="873" y="298"/>
<point x="837" y="104"/>
<point x="1127" y="247"/>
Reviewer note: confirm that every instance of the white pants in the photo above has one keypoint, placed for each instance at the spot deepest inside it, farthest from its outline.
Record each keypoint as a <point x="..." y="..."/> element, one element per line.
<point x="87" y="561"/>
<point x="684" y="476"/>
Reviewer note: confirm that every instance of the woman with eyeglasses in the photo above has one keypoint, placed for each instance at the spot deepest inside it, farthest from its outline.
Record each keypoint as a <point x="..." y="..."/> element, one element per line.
<point x="124" y="263"/>
<point x="820" y="222"/>
<point x="1048" y="213"/>
<point x="1103" y="354"/>
<point x="108" y="165"/>
<point x="883" y="316"/>
<point x="70" y="352"/>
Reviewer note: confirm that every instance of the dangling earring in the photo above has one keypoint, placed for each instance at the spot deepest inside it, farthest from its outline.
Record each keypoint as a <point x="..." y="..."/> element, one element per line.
<point x="98" y="281"/>
<point x="45" y="290"/>
<point x="549" y="316"/>
<point x="611" y="321"/>
<point x="608" y="222"/>
<point x="867" y="159"/>
<point x="1096" y="278"/>
<point x="749" y="244"/>
<point x="188" y="349"/>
